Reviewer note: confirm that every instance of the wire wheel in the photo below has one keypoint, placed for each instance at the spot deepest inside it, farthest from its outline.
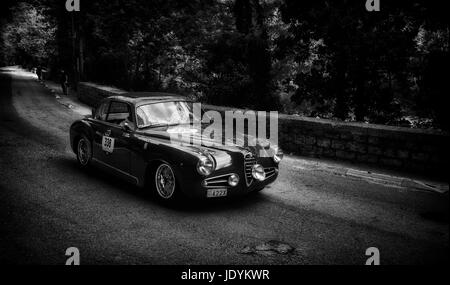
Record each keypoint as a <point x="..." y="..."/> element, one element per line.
<point x="84" y="152"/>
<point x="165" y="181"/>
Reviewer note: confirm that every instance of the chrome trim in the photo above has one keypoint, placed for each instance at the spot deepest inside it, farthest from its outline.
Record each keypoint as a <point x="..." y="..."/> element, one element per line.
<point x="216" y="186"/>
<point x="214" y="177"/>
<point x="116" y="169"/>
<point x="269" y="171"/>
<point x="216" y="180"/>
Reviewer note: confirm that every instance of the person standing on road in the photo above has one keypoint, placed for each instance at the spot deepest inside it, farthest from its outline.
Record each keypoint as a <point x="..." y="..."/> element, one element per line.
<point x="64" y="80"/>
<point x="39" y="72"/>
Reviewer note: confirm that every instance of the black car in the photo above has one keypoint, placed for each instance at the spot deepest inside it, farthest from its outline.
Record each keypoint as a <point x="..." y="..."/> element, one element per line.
<point x="132" y="136"/>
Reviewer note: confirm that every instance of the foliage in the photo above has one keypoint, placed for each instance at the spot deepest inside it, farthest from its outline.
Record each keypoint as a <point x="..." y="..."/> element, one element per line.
<point x="29" y="37"/>
<point x="322" y="58"/>
<point x="365" y="66"/>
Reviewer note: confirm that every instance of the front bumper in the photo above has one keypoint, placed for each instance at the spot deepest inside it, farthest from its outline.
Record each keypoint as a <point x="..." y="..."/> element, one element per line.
<point x="194" y="185"/>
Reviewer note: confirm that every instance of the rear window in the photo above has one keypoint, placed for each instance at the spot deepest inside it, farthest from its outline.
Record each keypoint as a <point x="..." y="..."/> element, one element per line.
<point x="119" y="107"/>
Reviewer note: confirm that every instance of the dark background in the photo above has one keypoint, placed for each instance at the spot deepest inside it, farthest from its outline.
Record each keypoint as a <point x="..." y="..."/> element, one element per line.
<point x="329" y="59"/>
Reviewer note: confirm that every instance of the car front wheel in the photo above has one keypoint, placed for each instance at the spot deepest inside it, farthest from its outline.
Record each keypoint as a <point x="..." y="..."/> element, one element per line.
<point x="165" y="182"/>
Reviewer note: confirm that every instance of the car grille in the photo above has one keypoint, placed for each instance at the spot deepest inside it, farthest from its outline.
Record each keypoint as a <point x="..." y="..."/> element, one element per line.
<point x="249" y="161"/>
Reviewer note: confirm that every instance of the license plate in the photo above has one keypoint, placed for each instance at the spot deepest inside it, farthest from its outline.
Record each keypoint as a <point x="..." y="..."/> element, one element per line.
<point x="216" y="193"/>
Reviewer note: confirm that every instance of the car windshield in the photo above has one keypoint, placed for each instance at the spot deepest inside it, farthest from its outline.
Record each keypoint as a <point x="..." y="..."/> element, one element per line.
<point x="164" y="113"/>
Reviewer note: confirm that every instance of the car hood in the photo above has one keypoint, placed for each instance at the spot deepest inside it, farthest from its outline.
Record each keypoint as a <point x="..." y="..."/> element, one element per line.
<point x="183" y="135"/>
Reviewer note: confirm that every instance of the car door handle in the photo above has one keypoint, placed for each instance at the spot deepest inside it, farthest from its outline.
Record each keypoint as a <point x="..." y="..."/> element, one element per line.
<point x="127" y="135"/>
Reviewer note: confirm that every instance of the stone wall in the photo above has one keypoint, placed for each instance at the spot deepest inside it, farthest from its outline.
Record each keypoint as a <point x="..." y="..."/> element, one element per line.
<point x="415" y="150"/>
<point x="92" y="94"/>
<point x="394" y="147"/>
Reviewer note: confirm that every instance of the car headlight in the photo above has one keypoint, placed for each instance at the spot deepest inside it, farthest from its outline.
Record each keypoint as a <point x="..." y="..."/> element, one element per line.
<point x="258" y="172"/>
<point x="206" y="165"/>
<point x="278" y="156"/>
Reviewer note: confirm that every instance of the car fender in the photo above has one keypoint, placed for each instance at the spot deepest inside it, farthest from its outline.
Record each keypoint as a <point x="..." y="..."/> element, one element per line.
<point x="78" y="128"/>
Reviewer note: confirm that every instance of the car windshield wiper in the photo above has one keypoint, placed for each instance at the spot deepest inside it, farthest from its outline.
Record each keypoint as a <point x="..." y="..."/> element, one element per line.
<point x="168" y="125"/>
<point x="163" y="125"/>
<point x="157" y="126"/>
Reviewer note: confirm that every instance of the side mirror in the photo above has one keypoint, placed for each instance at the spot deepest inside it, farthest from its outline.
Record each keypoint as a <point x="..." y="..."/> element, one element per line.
<point x="126" y="127"/>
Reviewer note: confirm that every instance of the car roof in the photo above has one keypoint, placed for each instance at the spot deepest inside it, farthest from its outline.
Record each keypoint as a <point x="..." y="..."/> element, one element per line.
<point x="142" y="98"/>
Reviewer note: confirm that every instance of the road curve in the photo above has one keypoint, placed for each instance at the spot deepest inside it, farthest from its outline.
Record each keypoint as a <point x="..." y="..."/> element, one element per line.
<point x="49" y="204"/>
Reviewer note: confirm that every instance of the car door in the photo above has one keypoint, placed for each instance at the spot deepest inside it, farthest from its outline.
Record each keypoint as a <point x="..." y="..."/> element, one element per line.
<point x="115" y="139"/>
<point x="100" y="129"/>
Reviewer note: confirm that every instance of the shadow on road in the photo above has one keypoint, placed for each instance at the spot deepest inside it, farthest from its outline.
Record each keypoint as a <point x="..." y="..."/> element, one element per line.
<point x="10" y="119"/>
<point x="190" y="205"/>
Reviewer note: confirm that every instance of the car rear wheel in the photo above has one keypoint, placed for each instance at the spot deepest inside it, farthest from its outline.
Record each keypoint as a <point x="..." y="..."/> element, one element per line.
<point x="165" y="182"/>
<point x="84" y="151"/>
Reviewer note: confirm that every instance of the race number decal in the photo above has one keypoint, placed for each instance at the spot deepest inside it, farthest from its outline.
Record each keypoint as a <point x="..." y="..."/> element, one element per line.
<point x="108" y="144"/>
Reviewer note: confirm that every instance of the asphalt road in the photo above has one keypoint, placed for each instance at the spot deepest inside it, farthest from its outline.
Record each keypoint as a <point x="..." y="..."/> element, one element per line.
<point x="49" y="204"/>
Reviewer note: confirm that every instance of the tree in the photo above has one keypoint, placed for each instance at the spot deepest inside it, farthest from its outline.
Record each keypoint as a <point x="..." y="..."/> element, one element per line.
<point x="361" y="63"/>
<point x="241" y="60"/>
<point x="323" y="58"/>
<point x="29" y="37"/>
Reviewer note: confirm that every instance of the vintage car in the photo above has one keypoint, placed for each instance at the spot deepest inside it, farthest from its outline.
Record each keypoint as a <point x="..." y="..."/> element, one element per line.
<point x="132" y="136"/>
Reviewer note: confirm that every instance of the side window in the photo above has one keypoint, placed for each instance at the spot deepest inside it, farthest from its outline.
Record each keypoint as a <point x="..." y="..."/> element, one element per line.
<point x="100" y="113"/>
<point x="119" y="112"/>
